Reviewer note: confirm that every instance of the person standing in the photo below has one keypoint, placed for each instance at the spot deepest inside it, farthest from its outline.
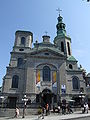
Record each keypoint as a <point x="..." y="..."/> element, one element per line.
<point x="47" y="109"/>
<point x="86" y="107"/>
<point x="58" y="108"/>
<point x="64" y="106"/>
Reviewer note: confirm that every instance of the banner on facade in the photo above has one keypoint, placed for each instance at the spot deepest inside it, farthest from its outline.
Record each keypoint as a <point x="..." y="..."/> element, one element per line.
<point x="54" y="83"/>
<point x="38" y="78"/>
<point x="63" y="89"/>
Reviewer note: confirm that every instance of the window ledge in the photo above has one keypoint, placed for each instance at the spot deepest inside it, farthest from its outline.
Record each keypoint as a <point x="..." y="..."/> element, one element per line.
<point x="76" y="90"/>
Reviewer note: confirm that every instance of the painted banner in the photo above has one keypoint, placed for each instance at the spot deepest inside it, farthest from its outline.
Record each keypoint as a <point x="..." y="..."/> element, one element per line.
<point x="38" y="78"/>
<point x="54" y="83"/>
<point x="63" y="89"/>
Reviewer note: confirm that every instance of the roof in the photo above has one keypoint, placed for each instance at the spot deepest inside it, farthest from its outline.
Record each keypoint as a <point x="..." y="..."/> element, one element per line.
<point x="71" y="58"/>
<point x="41" y="49"/>
<point x="24" y="32"/>
<point x="48" y="45"/>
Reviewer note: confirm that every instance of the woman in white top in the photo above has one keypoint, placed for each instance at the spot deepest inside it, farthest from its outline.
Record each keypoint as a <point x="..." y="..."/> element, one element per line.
<point x="86" y="107"/>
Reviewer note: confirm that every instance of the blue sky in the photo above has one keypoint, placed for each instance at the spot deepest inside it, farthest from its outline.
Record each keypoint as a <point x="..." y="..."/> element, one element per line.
<point x="39" y="16"/>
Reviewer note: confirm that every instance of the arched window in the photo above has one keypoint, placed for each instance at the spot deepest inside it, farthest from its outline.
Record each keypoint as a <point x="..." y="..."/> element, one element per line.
<point x="70" y="66"/>
<point x="23" y="40"/>
<point x="76" y="83"/>
<point x="68" y="48"/>
<point x="15" y="80"/>
<point x="46" y="73"/>
<point x="62" y="46"/>
<point x="20" y="62"/>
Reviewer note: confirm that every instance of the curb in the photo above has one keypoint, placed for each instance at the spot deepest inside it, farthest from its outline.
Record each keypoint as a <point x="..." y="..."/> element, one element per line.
<point x="75" y="118"/>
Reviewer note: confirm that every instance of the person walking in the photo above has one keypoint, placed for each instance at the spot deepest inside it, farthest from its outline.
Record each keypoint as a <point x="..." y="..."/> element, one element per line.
<point x="16" y="112"/>
<point x="87" y="107"/>
<point x="84" y="108"/>
<point x="47" y="109"/>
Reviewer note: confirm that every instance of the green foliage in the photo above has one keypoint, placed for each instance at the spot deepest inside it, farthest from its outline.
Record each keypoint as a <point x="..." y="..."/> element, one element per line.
<point x="39" y="111"/>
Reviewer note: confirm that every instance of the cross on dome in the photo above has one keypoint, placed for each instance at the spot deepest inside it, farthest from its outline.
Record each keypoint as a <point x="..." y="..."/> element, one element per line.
<point x="58" y="11"/>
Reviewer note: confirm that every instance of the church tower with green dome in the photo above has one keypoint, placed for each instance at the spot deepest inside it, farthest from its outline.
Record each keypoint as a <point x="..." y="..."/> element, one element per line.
<point x="62" y="40"/>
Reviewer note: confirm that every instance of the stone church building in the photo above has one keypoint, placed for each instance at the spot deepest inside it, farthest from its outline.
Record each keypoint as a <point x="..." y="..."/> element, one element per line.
<point x="46" y="72"/>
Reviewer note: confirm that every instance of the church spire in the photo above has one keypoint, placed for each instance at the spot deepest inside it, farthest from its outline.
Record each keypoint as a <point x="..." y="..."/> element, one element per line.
<point x="62" y="40"/>
<point x="60" y="25"/>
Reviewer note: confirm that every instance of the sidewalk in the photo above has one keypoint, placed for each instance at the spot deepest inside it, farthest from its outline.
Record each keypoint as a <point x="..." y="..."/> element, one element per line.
<point x="52" y="116"/>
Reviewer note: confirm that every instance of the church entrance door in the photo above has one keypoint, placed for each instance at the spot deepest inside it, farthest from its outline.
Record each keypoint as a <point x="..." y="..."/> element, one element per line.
<point x="12" y="102"/>
<point x="46" y="97"/>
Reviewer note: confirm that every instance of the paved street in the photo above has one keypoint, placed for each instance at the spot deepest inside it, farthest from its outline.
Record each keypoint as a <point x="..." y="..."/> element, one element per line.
<point x="87" y="118"/>
<point x="75" y="116"/>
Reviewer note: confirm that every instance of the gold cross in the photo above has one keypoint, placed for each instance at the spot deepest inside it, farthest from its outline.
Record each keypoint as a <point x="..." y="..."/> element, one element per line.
<point x="58" y="10"/>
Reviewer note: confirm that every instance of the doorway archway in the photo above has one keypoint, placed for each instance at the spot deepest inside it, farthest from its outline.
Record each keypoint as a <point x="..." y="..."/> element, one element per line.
<point x="46" y="97"/>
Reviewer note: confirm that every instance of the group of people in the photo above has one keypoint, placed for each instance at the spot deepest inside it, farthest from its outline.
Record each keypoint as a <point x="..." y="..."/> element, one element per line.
<point x="64" y="108"/>
<point x="84" y="108"/>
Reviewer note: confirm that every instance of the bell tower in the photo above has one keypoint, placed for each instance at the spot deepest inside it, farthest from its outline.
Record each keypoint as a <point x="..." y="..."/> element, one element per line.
<point x="23" y="39"/>
<point x="62" y="40"/>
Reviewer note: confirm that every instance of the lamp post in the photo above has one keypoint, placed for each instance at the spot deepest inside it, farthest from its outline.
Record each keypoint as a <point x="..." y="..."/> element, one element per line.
<point x="2" y="97"/>
<point x="24" y="99"/>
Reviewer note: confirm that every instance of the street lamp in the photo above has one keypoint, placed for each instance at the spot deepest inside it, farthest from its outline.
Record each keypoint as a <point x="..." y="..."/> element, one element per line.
<point x="2" y="97"/>
<point x="24" y="99"/>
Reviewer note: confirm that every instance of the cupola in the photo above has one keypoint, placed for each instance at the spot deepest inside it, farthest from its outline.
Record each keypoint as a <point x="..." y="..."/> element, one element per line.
<point x="60" y="26"/>
<point x="46" y="38"/>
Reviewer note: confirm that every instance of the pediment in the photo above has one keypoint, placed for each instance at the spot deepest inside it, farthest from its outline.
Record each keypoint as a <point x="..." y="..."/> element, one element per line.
<point x="47" y="53"/>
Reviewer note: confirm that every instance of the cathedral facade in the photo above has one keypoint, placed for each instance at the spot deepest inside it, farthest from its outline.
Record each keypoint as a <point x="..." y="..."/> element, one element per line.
<point x="46" y="72"/>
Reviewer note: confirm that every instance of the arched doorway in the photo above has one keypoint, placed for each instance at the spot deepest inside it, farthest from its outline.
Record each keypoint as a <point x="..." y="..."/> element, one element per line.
<point x="46" y="97"/>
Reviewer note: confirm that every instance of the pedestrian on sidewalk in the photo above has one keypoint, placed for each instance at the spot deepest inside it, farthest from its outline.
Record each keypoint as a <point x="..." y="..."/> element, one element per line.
<point x="47" y="109"/>
<point x="87" y="107"/>
<point x="83" y="107"/>
<point x="59" y="108"/>
<point x="64" y="106"/>
<point x="17" y="112"/>
<point x="69" y="110"/>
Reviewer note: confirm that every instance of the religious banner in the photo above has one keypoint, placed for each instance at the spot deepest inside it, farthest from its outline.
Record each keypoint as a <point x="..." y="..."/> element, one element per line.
<point x="54" y="83"/>
<point x="63" y="89"/>
<point x="38" y="78"/>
